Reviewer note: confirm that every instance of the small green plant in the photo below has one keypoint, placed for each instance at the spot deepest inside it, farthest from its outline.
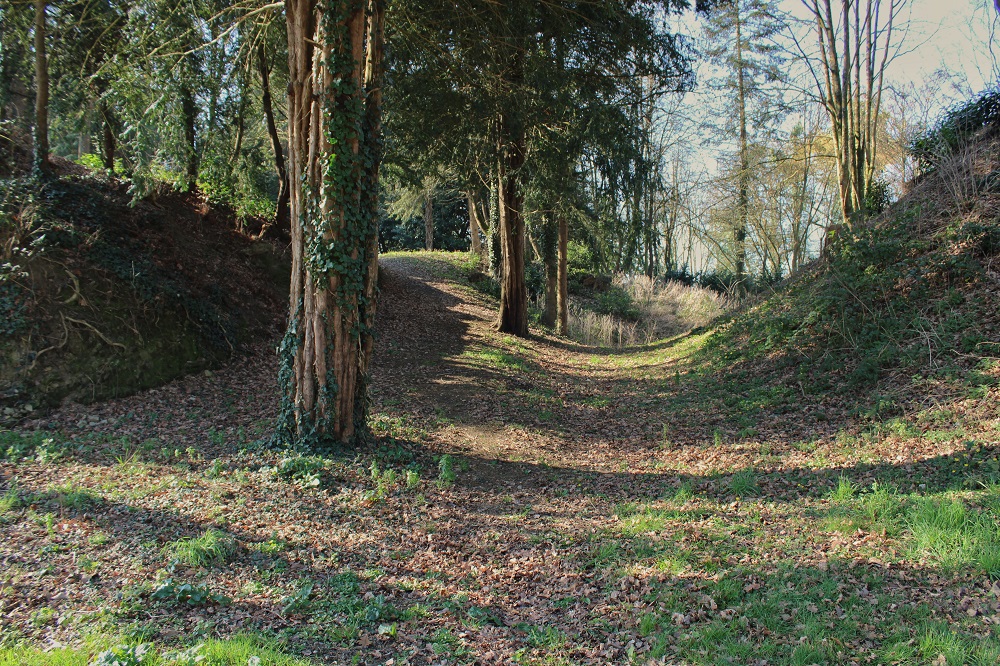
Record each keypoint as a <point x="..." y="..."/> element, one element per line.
<point x="191" y="656"/>
<point x="215" y="470"/>
<point x="303" y="471"/>
<point x="124" y="655"/>
<point x="844" y="492"/>
<point x="10" y="500"/>
<point x="447" y="474"/>
<point x="744" y="483"/>
<point x="43" y="616"/>
<point x="212" y="547"/>
<point x="41" y="445"/>
<point x="550" y="638"/>
<point x="48" y="451"/>
<point x="69" y="496"/>
<point x="383" y="481"/>
<point x="272" y="546"/>
<point x="444" y="642"/>
<point x="298" y="600"/>
<point x="684" y="494"/>
<point x="186" y="593"/>
<point x="46" y="520"/>
<point x="412" y="479"/>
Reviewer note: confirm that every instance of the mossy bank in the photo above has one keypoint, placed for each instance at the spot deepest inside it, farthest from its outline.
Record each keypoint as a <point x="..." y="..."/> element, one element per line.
<point x="101" y="296"/>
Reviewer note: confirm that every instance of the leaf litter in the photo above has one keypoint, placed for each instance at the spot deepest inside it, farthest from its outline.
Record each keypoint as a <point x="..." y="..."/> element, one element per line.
<point x="605" y="508"/>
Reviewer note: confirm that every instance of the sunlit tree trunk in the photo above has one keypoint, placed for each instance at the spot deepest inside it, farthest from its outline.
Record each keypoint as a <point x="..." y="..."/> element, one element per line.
<point x="550" y="258"/>
<point x="477" y="244"/>
<point x="562" y="301"/>
<point x="743" y="198"/>
<point x="855" y="45"/>
<point x="428" y="222"/>
<point x="335" y="71"/>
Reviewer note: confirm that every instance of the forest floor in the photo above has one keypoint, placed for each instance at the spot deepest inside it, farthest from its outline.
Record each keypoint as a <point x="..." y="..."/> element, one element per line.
<point x="528" y="502"/>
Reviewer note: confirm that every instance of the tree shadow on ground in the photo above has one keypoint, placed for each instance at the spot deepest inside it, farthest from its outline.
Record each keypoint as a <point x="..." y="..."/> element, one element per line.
<point x="927" y="476"/>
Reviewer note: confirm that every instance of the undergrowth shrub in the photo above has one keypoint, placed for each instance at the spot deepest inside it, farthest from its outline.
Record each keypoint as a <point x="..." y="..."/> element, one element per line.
<point x="303" y="471"/>
<point x="956" y="128"/>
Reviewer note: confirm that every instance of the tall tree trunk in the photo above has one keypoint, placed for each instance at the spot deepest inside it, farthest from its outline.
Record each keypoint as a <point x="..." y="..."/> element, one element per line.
<point x="493" y="237"/>
<point x="240" y="123"/>
<point x="374" y="69"/>
<point x="333" y="97"/>
<point x="84" y="143"/>
<point x="108" y="142"/>
<point x="562" y="300"/>
<point x="282" y="220"/>
<point x="189" y="111"/>
<point x="41" y="136"/>
<point x="428" y="222"/>
<point x="550" y="259"/>
<point x="513" y="317"/>
<point x="477" y="245"/>
<point x="743" y="198"/>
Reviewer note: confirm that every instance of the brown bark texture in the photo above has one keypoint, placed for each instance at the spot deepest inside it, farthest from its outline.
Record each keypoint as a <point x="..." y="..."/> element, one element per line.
<point x="189" y="109"/>
<point x="513" y="317"/>
<point x="562" y="301"/>
<point x="474" y="224"/>
<point x="335" y="71"/>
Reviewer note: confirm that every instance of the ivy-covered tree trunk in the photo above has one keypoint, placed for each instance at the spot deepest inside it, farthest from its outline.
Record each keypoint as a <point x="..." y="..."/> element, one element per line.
<point x="108" y="142"/>
<point x="334" y="59"/>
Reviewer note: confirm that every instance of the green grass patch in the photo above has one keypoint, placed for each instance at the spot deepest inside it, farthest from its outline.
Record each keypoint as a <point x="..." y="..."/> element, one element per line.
<point x="954" y="535"/>
<point x="212" y="547"/>
<point x="497" y="359"/>
<point x="105" y="650"/>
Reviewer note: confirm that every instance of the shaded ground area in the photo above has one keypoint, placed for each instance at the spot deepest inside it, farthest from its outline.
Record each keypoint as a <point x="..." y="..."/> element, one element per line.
<point x="527" y="502"/>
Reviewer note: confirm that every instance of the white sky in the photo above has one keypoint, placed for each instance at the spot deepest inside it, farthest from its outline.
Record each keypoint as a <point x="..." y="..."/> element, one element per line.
<point x="947" y="34"/>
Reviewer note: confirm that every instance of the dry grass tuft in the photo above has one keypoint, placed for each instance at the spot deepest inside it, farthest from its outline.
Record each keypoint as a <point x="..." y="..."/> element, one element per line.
<point x="666" y="309"/>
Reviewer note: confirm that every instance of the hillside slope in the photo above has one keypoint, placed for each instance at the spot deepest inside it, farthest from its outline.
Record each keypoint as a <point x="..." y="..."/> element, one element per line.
<point x="901" y="312"/>
<point x="100" y="298"/>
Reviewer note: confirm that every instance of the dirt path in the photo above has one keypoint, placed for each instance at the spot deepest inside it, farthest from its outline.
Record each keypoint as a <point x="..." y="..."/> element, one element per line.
<point x="499" y="399"/>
